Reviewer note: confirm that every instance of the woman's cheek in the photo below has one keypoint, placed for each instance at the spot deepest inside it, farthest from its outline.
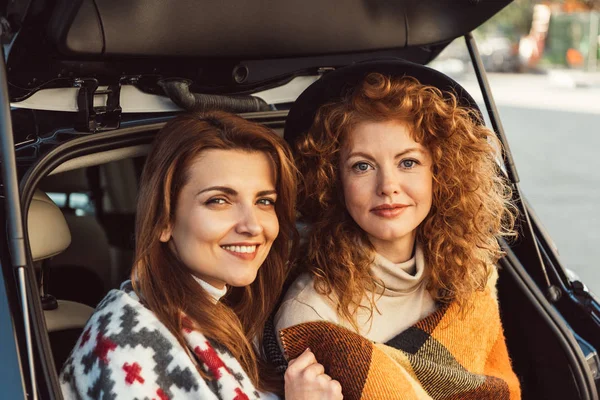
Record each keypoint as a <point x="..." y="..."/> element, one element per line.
<point x="271" y="227"/>
<point x="355" y="191"/>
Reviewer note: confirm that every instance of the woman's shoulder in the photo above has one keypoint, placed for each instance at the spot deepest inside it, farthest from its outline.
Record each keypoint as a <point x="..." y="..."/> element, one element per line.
<point x="121" y="303"/>
<point x="124" y="352"/>
<point x="302" y="303"/>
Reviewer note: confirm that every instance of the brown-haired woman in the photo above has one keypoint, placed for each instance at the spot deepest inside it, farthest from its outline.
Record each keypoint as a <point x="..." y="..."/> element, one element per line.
<point x="404" y="202"/>
<point x="215" y="220"/>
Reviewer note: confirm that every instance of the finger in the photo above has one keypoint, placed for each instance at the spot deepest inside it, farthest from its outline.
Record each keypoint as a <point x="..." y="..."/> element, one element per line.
<point x="313" y="371"/>
<point x="335" y="389"/>
<point x="292" y="361"/>
<point x="304" y="360"/>
<point x="301" y="362"/>
<point x="324" y="379"/>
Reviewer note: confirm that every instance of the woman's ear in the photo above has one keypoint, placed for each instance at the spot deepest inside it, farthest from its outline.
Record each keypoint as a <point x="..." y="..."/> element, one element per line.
<point x="165" y="235"/>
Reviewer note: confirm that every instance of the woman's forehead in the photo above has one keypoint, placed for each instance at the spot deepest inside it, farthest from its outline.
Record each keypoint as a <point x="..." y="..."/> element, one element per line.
<point x="391" y="133"/>
<point x="235" y="166"/>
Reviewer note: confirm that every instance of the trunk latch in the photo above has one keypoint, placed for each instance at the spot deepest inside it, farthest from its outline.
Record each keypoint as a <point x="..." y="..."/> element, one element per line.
<point x="100" y="118"/>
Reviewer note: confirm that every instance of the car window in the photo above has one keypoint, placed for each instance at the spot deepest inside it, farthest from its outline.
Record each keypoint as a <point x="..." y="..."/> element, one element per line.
<point x="80" y="203"/>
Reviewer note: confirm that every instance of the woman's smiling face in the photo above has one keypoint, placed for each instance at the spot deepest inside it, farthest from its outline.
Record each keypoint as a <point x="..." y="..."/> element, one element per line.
<point x="387" y="182"/>
<point x="225" y="221"/>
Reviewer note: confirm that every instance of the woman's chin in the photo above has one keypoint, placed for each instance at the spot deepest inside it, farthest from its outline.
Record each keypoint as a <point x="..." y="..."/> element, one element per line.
<point x="241" y="281"/>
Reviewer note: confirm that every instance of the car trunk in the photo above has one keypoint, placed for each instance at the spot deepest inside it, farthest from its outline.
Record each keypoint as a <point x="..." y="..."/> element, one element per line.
<point x="97" y="48"/>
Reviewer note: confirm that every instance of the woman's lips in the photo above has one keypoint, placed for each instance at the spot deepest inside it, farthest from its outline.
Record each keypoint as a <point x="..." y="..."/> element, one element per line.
<point x="391" y="211"/>
<point x="244" y="255"/>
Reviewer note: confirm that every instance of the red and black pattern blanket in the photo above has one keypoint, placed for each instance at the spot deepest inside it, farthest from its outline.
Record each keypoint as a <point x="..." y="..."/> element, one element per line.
<point x="125" y="352"/>
<point x="447" y="355"/>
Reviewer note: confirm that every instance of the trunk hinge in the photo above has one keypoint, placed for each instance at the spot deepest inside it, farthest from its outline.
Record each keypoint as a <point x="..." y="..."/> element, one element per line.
<point x="97" y="118"/>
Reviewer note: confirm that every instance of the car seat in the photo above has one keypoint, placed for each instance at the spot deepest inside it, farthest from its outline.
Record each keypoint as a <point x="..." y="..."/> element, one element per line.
<point x="88" y="258"/>
<point x="49" y="235"/>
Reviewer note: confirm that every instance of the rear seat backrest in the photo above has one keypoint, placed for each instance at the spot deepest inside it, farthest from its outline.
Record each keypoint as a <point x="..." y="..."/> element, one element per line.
<point x="49" y="235"/>
<point x="88" y="257"/>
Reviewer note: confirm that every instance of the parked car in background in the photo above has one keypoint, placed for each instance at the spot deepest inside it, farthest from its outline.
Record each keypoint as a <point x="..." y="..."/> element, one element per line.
<point x="499" y="54"/>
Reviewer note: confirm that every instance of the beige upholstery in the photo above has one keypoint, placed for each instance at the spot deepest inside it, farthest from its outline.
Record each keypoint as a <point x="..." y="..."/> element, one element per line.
<point x="48" y="236"/>
<point x="89" y="247"/>
<point x="48" y="230"/>
<point x="89" y="244"/>
<point x="68" y="315"/>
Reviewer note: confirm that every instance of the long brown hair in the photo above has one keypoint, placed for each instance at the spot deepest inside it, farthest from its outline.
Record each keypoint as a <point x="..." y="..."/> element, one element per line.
<point x="471" y="198"/>
<point x="163" y="282"/>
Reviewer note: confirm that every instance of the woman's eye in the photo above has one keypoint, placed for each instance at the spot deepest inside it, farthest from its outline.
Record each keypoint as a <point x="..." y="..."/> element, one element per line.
<point x="266" y="202"/>
<point x="216" y="200"/>
<point x="408" y="164"/>
<point x="361" y="167"/>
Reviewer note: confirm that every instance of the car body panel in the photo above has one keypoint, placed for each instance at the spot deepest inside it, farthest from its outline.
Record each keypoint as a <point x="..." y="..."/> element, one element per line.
<point x="11" y="376"/>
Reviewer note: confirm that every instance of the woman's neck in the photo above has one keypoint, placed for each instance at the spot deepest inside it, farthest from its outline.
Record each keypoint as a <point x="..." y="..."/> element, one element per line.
<point x="396" y="251"/>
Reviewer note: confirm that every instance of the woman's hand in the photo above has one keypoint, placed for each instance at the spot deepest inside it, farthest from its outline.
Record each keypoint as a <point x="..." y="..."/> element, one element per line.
<point x="305" y="379"/>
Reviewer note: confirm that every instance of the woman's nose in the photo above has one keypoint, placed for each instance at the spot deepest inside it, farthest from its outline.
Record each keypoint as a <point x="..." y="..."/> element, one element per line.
<point x="249" y="223"/>
<point x="388" y="182"/>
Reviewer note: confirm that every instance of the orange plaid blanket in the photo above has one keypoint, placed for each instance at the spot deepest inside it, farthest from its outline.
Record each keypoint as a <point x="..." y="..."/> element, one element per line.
<point x="444" y="356"/>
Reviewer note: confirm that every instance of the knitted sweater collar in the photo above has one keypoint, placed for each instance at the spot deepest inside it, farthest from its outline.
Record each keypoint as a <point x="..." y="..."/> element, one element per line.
<point x="214" y="292"/>
<point x="402" y="278"/>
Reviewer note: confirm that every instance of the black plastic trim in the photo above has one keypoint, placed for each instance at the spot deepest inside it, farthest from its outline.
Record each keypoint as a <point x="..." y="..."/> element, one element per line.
<point x="555" y="321"/>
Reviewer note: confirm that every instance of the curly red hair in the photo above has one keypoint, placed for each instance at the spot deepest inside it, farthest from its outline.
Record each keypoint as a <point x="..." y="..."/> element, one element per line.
<point x="471" y="206"/>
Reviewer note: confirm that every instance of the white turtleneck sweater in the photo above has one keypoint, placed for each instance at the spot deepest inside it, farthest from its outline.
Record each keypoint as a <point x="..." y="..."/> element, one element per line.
<point x="402" y="303"/>
<point x="214" y="292"/>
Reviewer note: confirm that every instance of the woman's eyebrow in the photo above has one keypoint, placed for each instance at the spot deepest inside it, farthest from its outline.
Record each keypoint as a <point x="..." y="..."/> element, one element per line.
<point x="224" y="189"/>
<point x="266" y="192"/>
<point x="360" y="154"/>
<point x="412" y="149"/>
<point x="371" y="158"/>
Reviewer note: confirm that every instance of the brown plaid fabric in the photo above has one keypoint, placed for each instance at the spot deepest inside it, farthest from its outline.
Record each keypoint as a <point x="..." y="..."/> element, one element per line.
<point x="448" y="355"/>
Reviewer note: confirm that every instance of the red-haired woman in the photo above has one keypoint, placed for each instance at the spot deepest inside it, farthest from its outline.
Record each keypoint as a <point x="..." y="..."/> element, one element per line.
<point x="215" y="220"/>
<point x="405" y="203"/>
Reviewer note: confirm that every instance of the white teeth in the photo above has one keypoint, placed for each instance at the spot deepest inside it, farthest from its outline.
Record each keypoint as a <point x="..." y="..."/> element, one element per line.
<point x="240" y="249"/>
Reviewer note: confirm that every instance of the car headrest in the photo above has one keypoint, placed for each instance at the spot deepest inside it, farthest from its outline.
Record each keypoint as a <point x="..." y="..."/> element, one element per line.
<point x="334" y="85"/>
<point x="49" y="233"/>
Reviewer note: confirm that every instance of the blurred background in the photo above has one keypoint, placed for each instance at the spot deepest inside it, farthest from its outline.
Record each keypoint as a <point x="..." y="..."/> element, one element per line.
<point x="543" y="63"/>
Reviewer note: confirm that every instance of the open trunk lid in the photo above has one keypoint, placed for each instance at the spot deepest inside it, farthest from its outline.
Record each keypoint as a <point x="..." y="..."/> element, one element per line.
<point x="229" y="46"/>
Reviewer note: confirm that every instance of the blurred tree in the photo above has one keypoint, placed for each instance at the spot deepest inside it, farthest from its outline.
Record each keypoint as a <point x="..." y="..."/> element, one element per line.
<point x="515" y="20"/>
<point x="590" y="4"/>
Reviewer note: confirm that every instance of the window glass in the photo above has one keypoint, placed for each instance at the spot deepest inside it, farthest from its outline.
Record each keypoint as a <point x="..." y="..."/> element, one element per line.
<point x="60" y="199"/>
<point x="79" y="203"/>
<point x="79" y="200"/>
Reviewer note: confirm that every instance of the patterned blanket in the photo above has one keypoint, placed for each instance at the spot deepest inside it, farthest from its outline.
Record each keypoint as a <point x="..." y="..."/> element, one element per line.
<point x="125" y="352"/>
<point x="444" y="356"/>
